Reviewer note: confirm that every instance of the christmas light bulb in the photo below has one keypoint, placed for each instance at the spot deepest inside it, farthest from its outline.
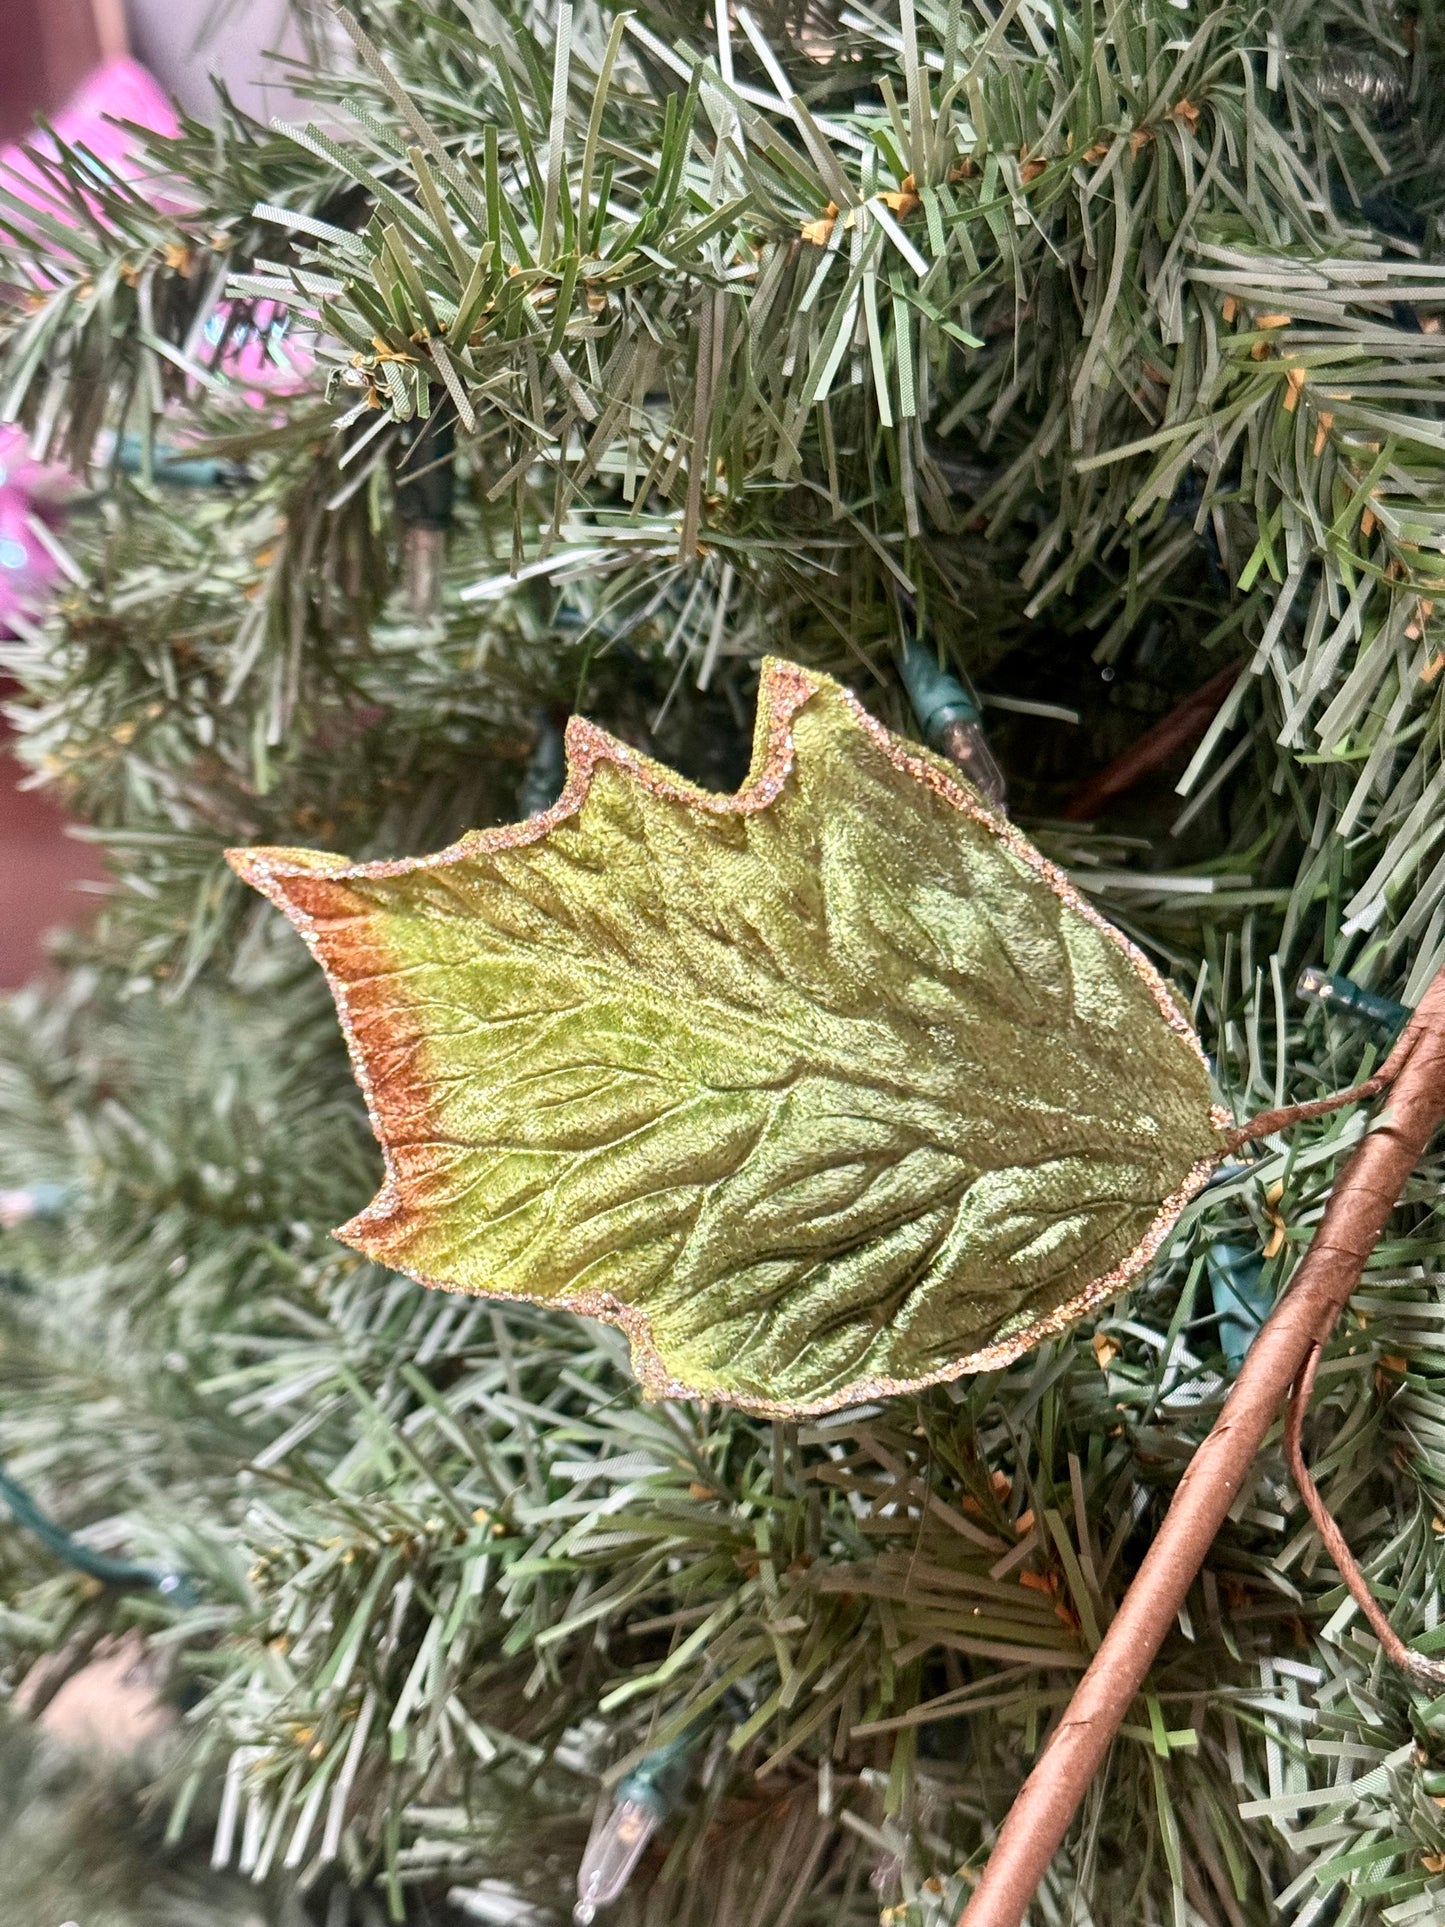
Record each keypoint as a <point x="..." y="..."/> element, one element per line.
<point x="1350" y="999"/>
<point x="612" y="1854"/>
<point x="546" y="770"/>
<point x="425" y="489"/>
<point x="951" y="721"/>
<point x="649" y="1793"/>
<point x="963" y="742"/>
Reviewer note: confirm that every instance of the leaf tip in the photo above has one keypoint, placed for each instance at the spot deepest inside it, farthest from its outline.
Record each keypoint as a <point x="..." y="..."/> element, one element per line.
<point x="362" y="1232"/>
<point x="253" y="866"/>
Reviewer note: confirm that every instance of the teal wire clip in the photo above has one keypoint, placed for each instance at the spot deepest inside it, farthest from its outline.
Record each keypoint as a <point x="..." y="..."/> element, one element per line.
<point x="45" y="1203"/>
<point x="1242" y="1301"/>
<point x="1349" y="999"/>
<point x="173" y="468"/>
<point x="81" y="1558"/>
<point x="951" y="721"/>
<point x="937" y="695"/>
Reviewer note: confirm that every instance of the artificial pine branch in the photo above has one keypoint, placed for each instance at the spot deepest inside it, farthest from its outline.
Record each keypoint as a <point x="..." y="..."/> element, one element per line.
<point x="192" y="1371"/>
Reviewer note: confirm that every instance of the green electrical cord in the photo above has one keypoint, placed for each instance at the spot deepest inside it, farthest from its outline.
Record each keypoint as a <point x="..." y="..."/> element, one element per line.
<point x="96" y="1565"/>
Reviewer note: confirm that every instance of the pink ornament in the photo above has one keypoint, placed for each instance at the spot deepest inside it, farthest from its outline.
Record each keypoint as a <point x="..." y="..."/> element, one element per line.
<point x="31" y="492"/>
<point x="121" y="90"/>
<point x="255" y="346"/>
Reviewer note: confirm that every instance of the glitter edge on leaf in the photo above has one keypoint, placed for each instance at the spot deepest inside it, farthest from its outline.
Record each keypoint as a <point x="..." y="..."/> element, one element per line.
<point x="784" y="688"/>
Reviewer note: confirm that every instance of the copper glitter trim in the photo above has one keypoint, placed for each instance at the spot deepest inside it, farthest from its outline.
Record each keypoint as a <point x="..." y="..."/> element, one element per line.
<point x="784" y="688"/>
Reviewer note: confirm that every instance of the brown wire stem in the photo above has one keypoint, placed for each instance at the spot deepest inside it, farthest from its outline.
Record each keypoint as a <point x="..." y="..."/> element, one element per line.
<point x="1429" y="1672"/>
<point x="1266" y="1123"/>
<point x="1360" y="1204"/>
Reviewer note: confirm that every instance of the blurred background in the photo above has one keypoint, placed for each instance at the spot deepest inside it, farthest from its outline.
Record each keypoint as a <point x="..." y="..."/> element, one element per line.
<point x="52" y="47"/>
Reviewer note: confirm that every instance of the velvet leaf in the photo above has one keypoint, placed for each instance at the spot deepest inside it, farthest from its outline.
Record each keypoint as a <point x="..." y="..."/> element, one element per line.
<point x="827" y="1089"/>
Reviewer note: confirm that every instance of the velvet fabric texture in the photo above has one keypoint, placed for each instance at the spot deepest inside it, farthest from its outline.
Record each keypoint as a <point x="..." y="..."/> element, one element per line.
<point x="827" y="1089"/>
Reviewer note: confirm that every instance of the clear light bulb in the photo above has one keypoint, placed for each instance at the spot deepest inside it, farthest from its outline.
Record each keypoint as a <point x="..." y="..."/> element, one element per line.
<point x="644" y="1799"/>
<point x="964" y="743"/>
<point x="612" y="1853"/>
<point x="949" y="716"/>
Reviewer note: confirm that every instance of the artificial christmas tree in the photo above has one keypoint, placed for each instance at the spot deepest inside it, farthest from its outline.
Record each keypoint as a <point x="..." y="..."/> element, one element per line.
<point x="1095" y="352"/>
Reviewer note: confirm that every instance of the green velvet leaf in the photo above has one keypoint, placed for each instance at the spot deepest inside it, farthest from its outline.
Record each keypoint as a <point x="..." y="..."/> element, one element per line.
<point x="829" y="1088"/>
